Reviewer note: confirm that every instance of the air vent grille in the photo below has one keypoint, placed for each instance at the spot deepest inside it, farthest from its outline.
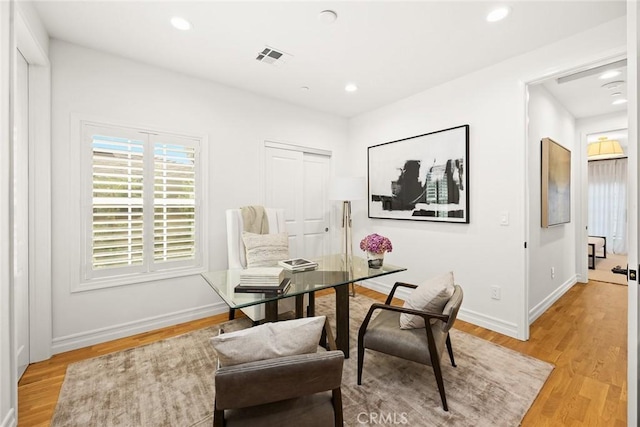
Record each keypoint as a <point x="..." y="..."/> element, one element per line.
<point x="273" y="56"/>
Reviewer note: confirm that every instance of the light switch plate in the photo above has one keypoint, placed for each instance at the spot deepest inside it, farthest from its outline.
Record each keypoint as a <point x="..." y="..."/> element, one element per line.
<point x="504" y="218"/>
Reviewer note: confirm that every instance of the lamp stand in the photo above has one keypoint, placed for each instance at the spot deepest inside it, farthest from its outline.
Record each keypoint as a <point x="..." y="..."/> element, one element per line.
<point x="347" y="241"/>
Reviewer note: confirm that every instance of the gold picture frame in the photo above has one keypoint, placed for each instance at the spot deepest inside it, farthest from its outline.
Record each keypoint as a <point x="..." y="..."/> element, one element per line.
<point x="555" y="183"/>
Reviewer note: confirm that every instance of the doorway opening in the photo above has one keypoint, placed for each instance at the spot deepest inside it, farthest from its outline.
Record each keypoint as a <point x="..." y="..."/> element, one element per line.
<point x="607" y="181"/>
<point x="567" y="108"/>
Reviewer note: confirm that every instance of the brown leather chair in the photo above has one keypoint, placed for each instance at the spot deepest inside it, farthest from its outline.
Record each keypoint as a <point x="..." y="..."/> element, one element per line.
<point x="424" y="345"/>
<point x="301" y="390"/>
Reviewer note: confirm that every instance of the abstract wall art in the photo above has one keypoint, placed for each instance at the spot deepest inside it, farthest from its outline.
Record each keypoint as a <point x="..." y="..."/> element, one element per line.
<point x="422" y="178"/>
<point x="555" y="180"/>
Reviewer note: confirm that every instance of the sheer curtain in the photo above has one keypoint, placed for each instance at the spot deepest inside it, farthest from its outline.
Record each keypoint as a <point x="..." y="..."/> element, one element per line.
<point x="608" y="202"/>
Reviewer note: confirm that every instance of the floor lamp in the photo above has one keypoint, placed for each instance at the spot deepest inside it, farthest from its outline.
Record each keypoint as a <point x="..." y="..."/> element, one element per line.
<point x="347" y="189"/>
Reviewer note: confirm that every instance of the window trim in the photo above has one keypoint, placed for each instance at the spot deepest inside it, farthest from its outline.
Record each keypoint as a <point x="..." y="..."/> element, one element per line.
<point x="88" y="280"/>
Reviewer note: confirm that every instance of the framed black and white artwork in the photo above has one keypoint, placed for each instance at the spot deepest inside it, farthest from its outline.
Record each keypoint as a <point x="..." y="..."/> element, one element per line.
<point x="422" y="178"/>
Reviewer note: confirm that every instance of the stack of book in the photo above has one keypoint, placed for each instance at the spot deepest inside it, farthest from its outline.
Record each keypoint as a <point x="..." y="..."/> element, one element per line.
<point x="263" y="280"/>
<point x="298" y="264"/>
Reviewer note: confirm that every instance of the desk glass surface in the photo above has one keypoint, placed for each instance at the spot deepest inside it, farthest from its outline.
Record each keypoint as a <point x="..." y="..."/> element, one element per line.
<point x="331" y="272"/>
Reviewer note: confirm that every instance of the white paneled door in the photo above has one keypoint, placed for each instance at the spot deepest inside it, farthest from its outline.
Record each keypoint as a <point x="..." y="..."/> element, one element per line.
<point x="296" y="181"/>
<point x="21" y="215"/>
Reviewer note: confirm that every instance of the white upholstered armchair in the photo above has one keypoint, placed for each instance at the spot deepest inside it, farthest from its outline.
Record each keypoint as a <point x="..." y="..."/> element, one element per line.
<point x="236" y="253"/>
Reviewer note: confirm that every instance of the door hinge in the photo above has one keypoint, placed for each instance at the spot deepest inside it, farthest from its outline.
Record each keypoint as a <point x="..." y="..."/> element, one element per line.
<point x="525" y="245"/>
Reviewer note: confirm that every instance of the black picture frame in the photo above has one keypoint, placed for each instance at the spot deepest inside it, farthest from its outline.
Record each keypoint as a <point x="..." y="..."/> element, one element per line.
<point x="421" y="178"/>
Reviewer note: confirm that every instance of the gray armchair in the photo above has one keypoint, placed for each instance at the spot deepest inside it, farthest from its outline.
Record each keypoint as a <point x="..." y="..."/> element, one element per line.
<point x="299" y="390"/>
<point x="424" y="345"/>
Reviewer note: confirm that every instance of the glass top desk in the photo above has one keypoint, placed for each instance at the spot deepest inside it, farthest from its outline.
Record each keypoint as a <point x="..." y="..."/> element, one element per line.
<point x="332" y="272"/>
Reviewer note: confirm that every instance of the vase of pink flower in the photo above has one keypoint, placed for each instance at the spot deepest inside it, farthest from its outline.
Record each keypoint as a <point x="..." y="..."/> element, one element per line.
<point x="375" y="245"/>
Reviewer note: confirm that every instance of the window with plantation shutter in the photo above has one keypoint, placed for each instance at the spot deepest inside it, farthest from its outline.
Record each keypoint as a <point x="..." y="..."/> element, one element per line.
<point x="174" y="202"/>
<point x="144" y="215"/>
<point x="118" y="202"/>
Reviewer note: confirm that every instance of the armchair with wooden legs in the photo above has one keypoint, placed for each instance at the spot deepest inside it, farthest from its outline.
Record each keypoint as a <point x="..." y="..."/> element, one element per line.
<point x="423" y="345"/>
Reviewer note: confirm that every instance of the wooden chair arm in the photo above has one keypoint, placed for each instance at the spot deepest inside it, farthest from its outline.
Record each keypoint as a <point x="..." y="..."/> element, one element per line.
<point x="331" y="342"/>
<point x="396" y="286"/>
<point x="424" y="314"/>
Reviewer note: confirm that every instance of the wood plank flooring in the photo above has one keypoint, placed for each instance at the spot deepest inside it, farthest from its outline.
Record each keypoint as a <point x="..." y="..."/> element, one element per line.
<point x="584" y="335"/>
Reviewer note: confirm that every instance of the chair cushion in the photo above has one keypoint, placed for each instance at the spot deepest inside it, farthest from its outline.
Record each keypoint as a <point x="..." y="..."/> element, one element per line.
<point x="265" y="250"/>
<point x="384" y="335"/>
<point x="268" y="341"/>
<point x="432" y="295"/>
<point x="309" y="411"/>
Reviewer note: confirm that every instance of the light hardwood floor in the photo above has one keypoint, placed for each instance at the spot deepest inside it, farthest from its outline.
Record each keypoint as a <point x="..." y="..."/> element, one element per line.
<point x="583" y="335"/>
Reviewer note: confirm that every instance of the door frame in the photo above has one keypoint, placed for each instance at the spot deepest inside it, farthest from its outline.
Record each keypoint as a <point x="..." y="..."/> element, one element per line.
<point x="581" y="221"/>
<point x="40" y="288"/>
<point x="633" y="62"/>
<point x="580" y="218"/>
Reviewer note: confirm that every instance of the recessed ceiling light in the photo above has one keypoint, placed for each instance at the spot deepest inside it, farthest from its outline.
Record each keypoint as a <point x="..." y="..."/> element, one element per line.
<point x="619" y="101"/>
<point x="613" y="85"/>
<point x="180" y="23"/>
<point x="327" y="16"/>
<point x="609" y="74"/>
<point x="498" y="14"/>
<point x="304" y="88"/>
<point x="350" y="87"/>
<point x="616" y="94"/>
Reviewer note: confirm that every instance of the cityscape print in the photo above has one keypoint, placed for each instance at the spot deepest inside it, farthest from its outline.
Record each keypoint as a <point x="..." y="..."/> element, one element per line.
<point x="421" y="178"/>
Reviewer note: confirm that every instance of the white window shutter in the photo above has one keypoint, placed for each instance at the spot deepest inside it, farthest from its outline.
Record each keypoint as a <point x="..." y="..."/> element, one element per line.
<point x="144" y="218"/>
<point x="174" y="202"/>
<point x="117" y="226"/>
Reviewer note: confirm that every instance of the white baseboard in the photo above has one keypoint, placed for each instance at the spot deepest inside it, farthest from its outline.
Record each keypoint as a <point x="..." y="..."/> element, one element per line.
<point x="554" y="296"/>
<point x="493" y="323"/>
<point x="488" y="322"/>
<point x="581" y="279"/>
<point x="10" y="419"/>
<point x="96" y="336"/>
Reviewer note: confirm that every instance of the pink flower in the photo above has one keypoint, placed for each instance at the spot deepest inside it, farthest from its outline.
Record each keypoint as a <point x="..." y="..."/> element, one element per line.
<point x="376" y="243"/>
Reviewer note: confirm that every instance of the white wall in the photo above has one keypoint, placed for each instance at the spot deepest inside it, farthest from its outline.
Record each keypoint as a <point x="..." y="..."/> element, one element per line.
<point x="552" y="247"/>
<point x="90" y="83"/>
<point x="8" y="388"/>
<point x="492" y="102"/>
<point x="604" y="123"/>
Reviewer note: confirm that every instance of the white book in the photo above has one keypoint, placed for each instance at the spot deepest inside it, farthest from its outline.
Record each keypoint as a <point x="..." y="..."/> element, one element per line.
<point x="262" y="272"/>
<point x="296" y="264"/>
<point x="267" y="276"/>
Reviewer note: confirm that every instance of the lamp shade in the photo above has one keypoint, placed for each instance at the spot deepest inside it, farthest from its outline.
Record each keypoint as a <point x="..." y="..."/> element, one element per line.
<point x="348" y="188"/>
<point x="604" y="148"/>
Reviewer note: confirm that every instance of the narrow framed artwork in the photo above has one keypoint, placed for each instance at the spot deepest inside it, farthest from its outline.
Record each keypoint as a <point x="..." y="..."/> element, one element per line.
<point x="555" y="180"/>
<point x="422" y="178"/>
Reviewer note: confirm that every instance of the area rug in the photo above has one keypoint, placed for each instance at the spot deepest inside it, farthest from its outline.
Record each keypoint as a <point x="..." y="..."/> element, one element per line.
<point x="603" y="273"/>
<point x="171" y="383"/>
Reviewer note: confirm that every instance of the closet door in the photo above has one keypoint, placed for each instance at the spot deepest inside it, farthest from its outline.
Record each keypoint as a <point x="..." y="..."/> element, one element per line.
<point x="296" y="181"/>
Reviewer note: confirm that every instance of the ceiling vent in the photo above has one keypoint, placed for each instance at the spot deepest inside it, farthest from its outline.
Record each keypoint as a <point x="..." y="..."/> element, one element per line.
<point x="273" y="56"/>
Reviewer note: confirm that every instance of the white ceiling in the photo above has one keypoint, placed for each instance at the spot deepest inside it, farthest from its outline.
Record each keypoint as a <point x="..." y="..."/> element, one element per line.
<point x="390" y="49"/>
<point x="590" y="96"/>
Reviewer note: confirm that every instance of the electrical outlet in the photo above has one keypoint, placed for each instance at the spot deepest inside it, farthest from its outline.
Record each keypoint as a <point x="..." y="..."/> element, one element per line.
<point x="553" y="272"/>
<point x="495" y="292"/>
